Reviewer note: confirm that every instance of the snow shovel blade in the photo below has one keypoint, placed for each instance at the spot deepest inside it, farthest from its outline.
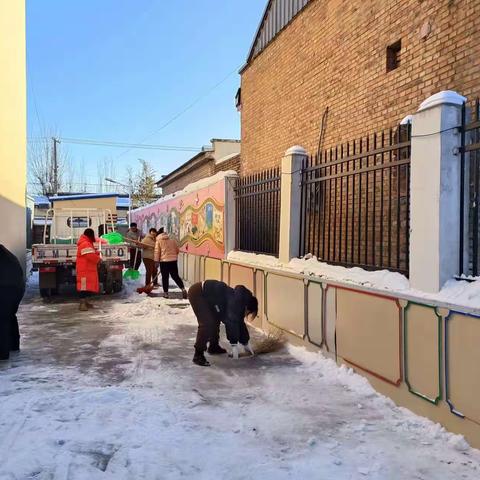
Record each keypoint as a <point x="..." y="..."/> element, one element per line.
<point x="131" y="274"/>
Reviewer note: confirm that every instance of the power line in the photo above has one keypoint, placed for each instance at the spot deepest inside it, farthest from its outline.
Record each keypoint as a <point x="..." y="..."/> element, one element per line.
<point x="115" y="144"/>
<point x="188" y="107"/>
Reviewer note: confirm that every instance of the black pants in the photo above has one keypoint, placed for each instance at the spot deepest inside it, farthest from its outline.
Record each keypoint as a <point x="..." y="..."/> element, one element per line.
<point x="208" y="323"/>
<point x="84" y="294"/>
<point x="135" y="261"/>
<point x="168" y="269"/>
<point x="10" y="298"/>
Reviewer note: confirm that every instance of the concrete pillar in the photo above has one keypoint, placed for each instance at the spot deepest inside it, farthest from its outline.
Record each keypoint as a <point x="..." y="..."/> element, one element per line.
<point x="229" y="220"/>
<point x="291" y="193"/>
<point x="435" y="192"/>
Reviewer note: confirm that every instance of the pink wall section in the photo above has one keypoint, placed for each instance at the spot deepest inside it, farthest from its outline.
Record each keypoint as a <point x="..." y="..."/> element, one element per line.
<point x="195" y="219"/>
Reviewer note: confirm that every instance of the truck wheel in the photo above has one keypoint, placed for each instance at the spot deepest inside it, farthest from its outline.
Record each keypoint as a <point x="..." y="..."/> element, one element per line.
<point x="45" y="292"/>
<point x="48" y="292"/>
<point x="108" y="284"/>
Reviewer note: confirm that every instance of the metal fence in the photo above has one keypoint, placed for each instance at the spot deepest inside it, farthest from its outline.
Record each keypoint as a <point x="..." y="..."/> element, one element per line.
<point x="257" y="211"/>
<point x="355" y="202"/>
<point x="470" y="189"/>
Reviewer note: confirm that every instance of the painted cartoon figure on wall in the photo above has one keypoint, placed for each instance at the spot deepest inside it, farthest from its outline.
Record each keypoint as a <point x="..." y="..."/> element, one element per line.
<point x="209" y="216"/>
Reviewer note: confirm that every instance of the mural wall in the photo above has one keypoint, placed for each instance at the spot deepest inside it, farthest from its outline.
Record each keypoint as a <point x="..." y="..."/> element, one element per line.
<point x="194" y="219"/>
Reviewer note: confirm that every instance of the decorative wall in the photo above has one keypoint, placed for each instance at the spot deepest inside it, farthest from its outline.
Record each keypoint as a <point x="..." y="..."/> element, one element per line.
<point x="194" y="219"/>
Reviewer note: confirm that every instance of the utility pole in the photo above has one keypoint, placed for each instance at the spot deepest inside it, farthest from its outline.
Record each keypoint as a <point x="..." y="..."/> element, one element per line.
<point x="55" y="165"/>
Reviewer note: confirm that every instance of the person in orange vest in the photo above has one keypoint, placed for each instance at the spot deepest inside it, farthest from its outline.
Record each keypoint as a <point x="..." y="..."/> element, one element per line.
<point x="87" y="268"/>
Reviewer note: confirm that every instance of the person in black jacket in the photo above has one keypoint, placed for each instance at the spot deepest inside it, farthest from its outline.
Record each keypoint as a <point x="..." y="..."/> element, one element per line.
<point x="214" y="302"/>
<point x="12" y="288"/>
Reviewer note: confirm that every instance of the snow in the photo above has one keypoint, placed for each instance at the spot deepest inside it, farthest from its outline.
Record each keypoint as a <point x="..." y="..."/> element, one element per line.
<point x="192" y="187"/>
<point x="457" y="293"/>
<point x="113" y="394"/>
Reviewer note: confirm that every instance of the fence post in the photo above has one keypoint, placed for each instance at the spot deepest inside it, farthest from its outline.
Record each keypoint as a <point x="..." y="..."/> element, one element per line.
<point x="290" y="206"/>
<point x="435" y="191"/>
<point x="229" y="217"/>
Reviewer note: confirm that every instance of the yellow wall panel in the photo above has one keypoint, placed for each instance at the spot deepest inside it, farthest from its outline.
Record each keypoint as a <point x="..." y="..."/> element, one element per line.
<point x="422" y="337"/>
<point x="285" y="304"/>
<point x="463" y="364"/>
<point x="368" y="333"/>
<point x="330" y="317"/>
<point x="213" y="269"/>
<point x="315" y="313"/>
<point x="240" y="275"/>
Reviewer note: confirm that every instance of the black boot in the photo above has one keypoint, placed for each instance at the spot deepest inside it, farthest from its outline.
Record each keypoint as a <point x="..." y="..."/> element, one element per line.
<point x="199" y="359"/>
<point x="216" y="350"/>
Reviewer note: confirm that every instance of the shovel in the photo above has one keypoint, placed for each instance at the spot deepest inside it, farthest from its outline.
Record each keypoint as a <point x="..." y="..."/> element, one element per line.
<point x="148" y="288"/>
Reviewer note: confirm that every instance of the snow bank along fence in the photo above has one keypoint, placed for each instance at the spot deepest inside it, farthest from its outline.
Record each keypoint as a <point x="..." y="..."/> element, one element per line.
<point x="423" y="355"/>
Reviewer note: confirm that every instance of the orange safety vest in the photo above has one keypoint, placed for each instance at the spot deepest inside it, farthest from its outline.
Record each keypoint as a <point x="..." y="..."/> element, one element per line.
<point x="87" y="261"/>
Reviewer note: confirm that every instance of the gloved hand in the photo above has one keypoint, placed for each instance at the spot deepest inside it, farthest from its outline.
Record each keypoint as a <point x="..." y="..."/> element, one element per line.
<point x="248" y="348"/>
<point x="234" y="353"/>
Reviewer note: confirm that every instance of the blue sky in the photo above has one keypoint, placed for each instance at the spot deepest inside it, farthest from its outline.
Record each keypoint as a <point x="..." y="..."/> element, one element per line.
<point x="119" y="69"/>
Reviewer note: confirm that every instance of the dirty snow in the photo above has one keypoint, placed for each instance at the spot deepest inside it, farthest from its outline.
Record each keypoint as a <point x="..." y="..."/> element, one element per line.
<point x="112" y="394"/>
<point x="461" y="293"/>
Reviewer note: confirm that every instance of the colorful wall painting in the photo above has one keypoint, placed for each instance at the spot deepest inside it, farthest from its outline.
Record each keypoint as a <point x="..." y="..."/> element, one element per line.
<point x="195" y="219"/>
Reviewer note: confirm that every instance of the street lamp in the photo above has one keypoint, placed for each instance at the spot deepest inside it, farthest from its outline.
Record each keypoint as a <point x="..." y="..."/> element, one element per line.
<point x="129" y="197"/>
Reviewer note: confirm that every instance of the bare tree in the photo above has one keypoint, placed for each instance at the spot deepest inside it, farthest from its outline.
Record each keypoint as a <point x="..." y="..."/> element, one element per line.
<point x="41" y="171"/>
<point x="82" y="178"/>
<point x="106" y="169"/>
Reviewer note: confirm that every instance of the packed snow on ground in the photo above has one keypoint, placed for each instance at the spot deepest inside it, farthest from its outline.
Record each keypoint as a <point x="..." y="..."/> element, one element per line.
<point x="456" y="292"/>
<point x="112" y="394"/>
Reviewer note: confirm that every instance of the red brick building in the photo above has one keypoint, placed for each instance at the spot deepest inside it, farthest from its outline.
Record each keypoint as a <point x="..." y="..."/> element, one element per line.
<point x="370" y="62"/>
<point x="224" y="155"/>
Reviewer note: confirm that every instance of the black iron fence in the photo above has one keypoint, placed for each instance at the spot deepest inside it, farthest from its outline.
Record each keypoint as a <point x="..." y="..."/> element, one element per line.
<point x="470" y="190"/>
<point x="355" y="202"/>
<point x="257" y="210"/>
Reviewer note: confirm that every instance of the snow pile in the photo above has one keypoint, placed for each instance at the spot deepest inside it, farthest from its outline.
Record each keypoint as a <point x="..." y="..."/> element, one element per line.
<point x="113" y="394"/>
<point x="455" y="292"/>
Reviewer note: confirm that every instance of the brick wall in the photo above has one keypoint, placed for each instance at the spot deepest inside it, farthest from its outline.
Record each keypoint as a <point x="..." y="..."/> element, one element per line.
<point x="203" y="171"/>
<point x="333" y="55"/>
<point x="232" y="164"/>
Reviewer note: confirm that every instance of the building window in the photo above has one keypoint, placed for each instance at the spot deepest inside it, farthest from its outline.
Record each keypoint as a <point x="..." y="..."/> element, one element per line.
<point x="238" y="99"/>
<point x="393" y="55"/>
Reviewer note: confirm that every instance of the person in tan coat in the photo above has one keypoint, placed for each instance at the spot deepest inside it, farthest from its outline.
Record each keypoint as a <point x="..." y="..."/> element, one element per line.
<point x="148" y="247"/>
<point x="166" y="256"/>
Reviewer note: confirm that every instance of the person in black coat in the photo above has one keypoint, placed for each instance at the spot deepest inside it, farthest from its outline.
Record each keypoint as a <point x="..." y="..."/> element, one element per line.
<point x="214" y="302"/>
<point x="12" y="288"/>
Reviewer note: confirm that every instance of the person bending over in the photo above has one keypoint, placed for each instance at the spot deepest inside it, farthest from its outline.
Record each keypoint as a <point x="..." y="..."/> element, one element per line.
<point x="214" y="302"/>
